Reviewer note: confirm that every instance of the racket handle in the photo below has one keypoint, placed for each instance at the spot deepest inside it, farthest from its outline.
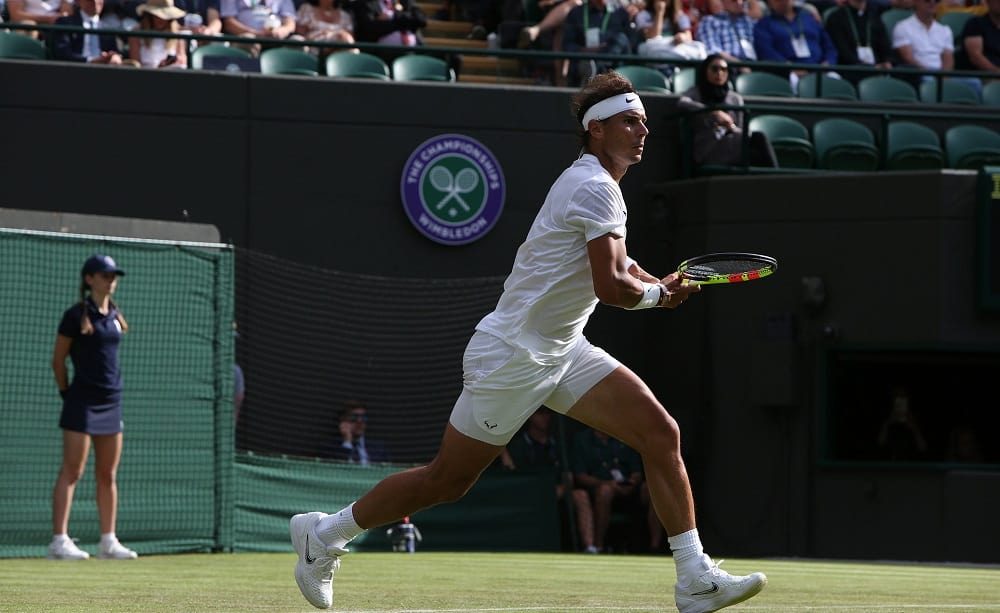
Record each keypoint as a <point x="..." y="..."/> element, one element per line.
<point x="689" y="282"/>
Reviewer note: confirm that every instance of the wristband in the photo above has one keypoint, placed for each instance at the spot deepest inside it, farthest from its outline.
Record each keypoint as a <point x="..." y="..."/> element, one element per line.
<point x="652" y="294"/>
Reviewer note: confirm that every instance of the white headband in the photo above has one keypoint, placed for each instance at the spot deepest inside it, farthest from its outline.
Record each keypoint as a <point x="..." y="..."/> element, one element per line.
<point x="612" y="106"/>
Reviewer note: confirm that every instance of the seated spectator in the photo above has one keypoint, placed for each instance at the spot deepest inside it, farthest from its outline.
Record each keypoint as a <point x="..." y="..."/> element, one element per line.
<point x="963" y="445"/>
<point x="717" y="134"/>
<point x="666" y="32"/>
<point x="794" y="35"/>
<point x="860" y="38"/>
<point x="536" y="446"/>
<point x="79" y="46"/>
<point x="595" y="27"/>
<point x="354" y="446"/>
<point x="391" y="23"/>
<point x="258" y="19"/>
<point x="900" y="437"/>
<point x="158" y="16"/>
<point x="729" y="33"/>
<point x="605" y="470"/>
<point x="923" y="43"/>
<point x="203" y="18"/>
<point x="327" y="21"/>
<point x="34" y="12"/>
<point x="557" y="10"/>
<point x="981" y="39"/>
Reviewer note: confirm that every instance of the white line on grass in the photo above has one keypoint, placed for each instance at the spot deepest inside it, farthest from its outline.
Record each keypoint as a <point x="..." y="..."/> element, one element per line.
<point x="892" y="607"/>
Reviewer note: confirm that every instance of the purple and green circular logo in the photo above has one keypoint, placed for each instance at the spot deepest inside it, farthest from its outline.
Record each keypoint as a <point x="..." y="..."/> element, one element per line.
<point x="452" y="189"/>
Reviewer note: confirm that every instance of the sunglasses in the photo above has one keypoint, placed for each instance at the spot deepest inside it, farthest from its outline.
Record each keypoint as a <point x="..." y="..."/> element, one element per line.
<point x="359" y="417"/>
<point x="718" y="68"/>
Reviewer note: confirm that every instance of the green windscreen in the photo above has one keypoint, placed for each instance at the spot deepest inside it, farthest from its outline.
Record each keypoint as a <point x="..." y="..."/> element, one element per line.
<point x="175" y="479"/>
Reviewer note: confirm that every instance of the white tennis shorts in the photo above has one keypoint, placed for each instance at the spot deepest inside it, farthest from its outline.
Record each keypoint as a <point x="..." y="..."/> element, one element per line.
<point x="503" y="386"/>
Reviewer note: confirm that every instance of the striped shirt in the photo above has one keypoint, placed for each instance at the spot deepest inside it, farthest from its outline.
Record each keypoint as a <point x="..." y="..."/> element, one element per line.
<point x="721" y="33"/>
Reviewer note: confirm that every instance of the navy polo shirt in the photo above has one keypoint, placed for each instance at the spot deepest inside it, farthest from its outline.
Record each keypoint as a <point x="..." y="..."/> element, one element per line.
<point x="94" y="356"/>
<point x="984" y="26"/>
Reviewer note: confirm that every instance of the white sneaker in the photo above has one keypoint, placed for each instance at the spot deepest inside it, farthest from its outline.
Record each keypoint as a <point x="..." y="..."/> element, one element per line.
<point x="317" y="562"/>
<point x="716" y="589"/>
<point x="66" y="550"/>
<point x="115" y="551"/>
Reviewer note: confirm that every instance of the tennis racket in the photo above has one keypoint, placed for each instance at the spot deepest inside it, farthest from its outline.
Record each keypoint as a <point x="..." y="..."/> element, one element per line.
<point x="730" y="267"/>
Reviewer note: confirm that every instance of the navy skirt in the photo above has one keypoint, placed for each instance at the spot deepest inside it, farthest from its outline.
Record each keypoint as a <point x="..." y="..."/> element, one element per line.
<point x="92" y="411"/>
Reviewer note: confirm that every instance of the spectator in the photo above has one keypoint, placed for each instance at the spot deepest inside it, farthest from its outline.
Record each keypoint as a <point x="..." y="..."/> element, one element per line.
<point x="729" y="33"/>
<point x="76" y="46"/>
<point x="34" y="12"/>
<point x="536" y="446"/>
<point x="258" y="19"/>
<point x="717" y="135"/>
<point x="326" y="21"/>
<point x="922" y="42"/>
<point x="595" y="27"/>
<point x="860" y="38"/>
<point x="388" y="22"/>
<point x="981" y="39"/>
<point x="793" y="35"/>
<point x="900" y="437"/>
<point x="605" y="470"/>
<point x="158" y="16"/>
<point x="90" y="334"/>
<point x="963" y="445"/>
<point x="552" y="22"/>
<point x="354" y="445"/>
<point x="666" y="32"/>
<point x="203" y="18"/>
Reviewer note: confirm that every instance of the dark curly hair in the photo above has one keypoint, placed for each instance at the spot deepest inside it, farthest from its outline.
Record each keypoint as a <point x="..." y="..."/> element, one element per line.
<point x="600" y="87"/>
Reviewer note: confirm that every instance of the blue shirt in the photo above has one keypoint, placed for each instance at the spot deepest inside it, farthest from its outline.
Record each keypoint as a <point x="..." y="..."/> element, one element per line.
<point x="772" y="39"/>
<point x="722" y="33"/>
<point x="94" y="356"/>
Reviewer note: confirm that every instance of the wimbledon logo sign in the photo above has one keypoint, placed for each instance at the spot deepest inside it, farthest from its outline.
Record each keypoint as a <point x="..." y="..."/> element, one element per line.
<point x="452" y="189"/>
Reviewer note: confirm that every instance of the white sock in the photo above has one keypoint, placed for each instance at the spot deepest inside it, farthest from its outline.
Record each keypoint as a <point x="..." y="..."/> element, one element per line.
<point x="59" y="539"/>
<point x="689" y="557"/>
<point x="339" y="529"/>
<point x="108" y="538"/>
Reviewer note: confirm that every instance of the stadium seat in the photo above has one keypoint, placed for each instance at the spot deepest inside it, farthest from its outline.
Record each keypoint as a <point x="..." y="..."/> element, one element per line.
<point x="890" y="17"/>
<point x="283" y="60"/>
<point x="971" y="146"/>
<point x="886" y="89"/>
<point x="955" y="20"/>
<point x="683" y="80"/>
<point x="832" y="89"/>
<point x="20" y="47"/>
<point x="912" y="146"/>
<point x="844" y="144"/>
<point x="421" y="68"/>
<point x="202" y="51"/>
<point x="788" y="137"/>
<point x="991" y="93"/>
<point x="763" y="84"/>
<point x="357" y="65"/>
<point x="645" y="79"/>
<point x="952" y="92"/>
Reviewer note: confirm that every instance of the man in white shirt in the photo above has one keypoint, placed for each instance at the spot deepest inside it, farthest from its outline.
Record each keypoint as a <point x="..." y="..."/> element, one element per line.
<point x="531" y="351"/>
<point x="923" y="42"/>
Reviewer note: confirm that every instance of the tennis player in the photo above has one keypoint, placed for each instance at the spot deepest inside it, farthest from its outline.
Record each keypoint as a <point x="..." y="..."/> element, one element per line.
<point x="530" y="351"/>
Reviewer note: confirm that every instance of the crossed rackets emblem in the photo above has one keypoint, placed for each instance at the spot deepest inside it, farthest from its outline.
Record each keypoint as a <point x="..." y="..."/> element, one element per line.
<point x="453" y="186"/>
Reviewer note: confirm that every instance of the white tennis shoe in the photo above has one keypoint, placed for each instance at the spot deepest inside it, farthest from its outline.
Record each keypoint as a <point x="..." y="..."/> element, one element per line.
<point x="716" y="589"/>
<point x="114" y="550"/>
<point x="66" y="550"/>
<point x="317" y="562"/>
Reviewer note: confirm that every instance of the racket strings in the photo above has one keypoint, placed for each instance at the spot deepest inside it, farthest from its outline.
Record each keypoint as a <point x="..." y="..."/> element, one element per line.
<point x="724" y="267"/>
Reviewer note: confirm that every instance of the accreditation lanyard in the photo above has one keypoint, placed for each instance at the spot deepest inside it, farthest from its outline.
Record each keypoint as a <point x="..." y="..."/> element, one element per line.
<point x="866" y="55"/>
<point x="748" y="51"/>
<point x="586" y="19"/>
<point x="799" y="44"/>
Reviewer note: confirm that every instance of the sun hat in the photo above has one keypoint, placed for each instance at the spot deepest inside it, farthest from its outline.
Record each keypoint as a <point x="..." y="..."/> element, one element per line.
<point x="100" y="263"/>
<point x="164" y="9"/>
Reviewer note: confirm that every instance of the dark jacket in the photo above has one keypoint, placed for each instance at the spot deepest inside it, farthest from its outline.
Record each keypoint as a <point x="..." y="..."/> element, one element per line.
<point x="368" y="28"/>
<point x="68" y="46"/>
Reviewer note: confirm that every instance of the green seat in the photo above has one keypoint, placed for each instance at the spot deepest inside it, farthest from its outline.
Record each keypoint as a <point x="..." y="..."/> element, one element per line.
<point x="955" y="20"/>
<point x="952" y="92"/>
<point x="971" y="147"/>
<point x="202" y="51"/>
<point x="20" y="47"/>
<point x="683" y="80"/>
<point x="832" y="89"/>
<point x="788" y="137"/>
<point x="844" y="144"/>
<point x="645" y="79"/>
<point x="890" y="17"/>
<point x="991" y="93"/>
<point x="912" y="146"/>
<point x="421" y="68"/>
<point x="886" y="89"/>
<point x="283" y="60"/>
<point x="357" y="65"/>
<point x="763" y="84"/>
